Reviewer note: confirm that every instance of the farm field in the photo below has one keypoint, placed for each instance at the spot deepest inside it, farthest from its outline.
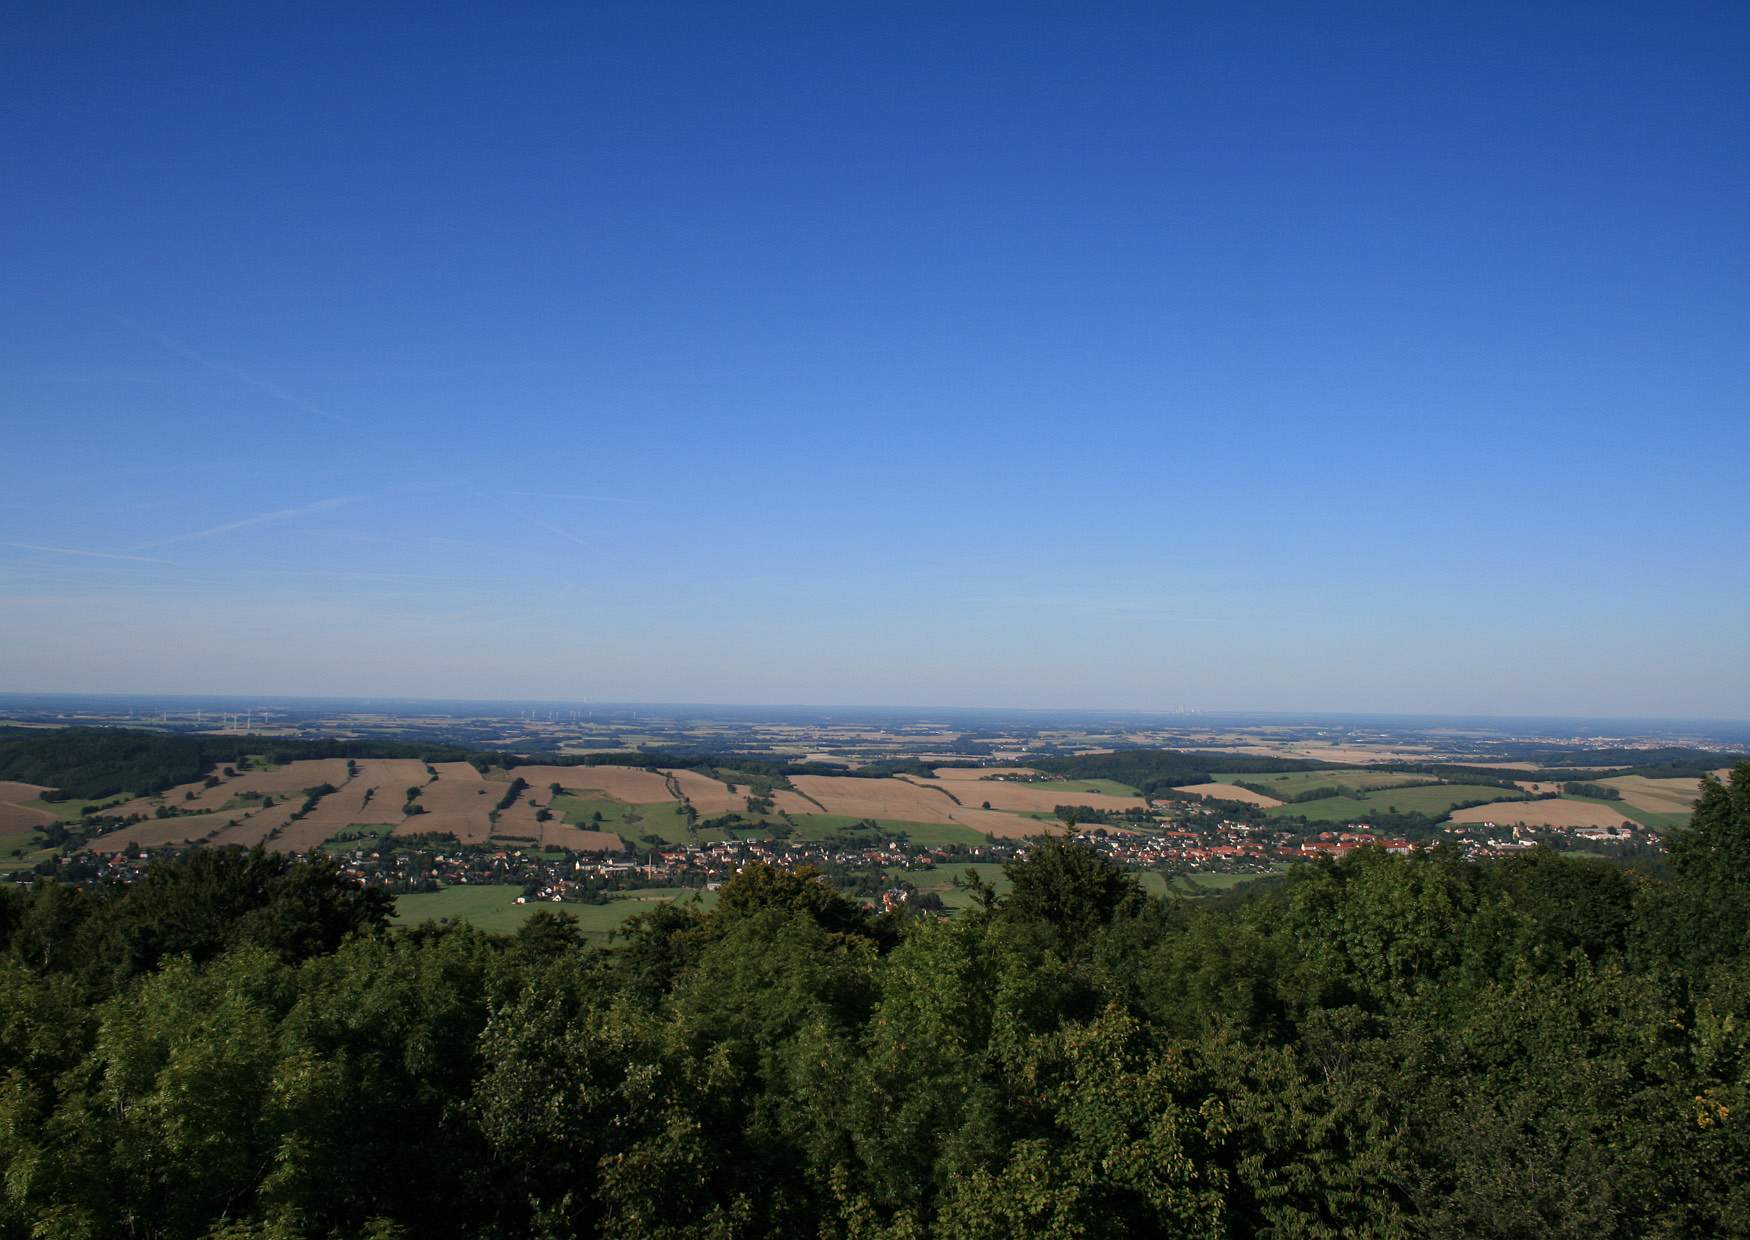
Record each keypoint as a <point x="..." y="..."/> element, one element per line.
<point x="70" y="811"/>
<point x="1016" y="797"/>
<point x="1646" y="817"/>
<point x="1658" y="796"/>
<point x="22" y="808"/>
<point x="1563" y="813"/>
<point x="257" y="828"/>
<point x="822" y="826"/>
<point x="940" y="881"/>
<point x="289" y="780"/>
<point x="487" y="907"/>
<point x="153" y="832"/>
<point x="1229" y="792"/>
<point x="631" y="823"/>
<point x="1434" y="801"/>
<point x="375" y="794"/>
<point x="362" y="835"/>
<point x="1285" y="784"/>
<point x="454" y="804"/>
<point x="493" y="907"/>
<point x="972" y="774"/>
<point x="632" y="785"/>
<point x="898" y="799"/>
<point x="1097" y="787"/>
<point x="905" y="800"/>
<point x="1199" y="885"/>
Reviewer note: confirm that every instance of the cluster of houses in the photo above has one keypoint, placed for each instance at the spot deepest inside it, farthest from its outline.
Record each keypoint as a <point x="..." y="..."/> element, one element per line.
<point x="1481" y="840"/>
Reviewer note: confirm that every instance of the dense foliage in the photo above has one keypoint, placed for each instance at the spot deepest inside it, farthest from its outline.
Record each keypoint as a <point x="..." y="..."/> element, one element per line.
<point x="1387" y="1046"/>
<point x="88" y="763"/>
<point x="1155" y="771"/>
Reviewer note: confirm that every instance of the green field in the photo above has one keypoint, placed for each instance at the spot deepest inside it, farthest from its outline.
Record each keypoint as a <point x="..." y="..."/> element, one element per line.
<point x="663" y="819"/>
<point x="822" y="826"/>
<point x="70" y="811"/>
<point x="1646" y="817"/>
<point x="940" y="880"/>
<point x="1434" y="801"/>
<point x="494" y="908"/>
<point x="1195" y="885"/>
<point x="357" y="835"/>
<point x="1285" y="784"/>
<point x="31" y="845"/>
<point x="1103" y="787"/>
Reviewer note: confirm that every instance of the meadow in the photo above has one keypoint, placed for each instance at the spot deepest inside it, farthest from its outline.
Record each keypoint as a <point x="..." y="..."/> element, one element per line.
<point x="493" y="907"/>
<point x="1433" y="800"/>
<point x="1286" y="784"/>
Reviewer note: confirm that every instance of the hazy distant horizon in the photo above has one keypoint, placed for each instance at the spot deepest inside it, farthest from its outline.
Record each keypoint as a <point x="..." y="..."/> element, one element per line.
<point x="1190" y="716"/>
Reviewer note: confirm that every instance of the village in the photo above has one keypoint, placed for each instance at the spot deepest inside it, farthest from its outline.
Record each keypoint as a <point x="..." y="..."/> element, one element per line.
<point x="1203" y="844"/>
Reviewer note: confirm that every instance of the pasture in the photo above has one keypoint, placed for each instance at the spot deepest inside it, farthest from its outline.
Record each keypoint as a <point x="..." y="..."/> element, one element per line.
<point x="939" y="880"/>
<point x="825" y="826"/>
<point x="493" y="907"/>
<point x="1434" y="800"/>
<point x="1083" y="787"/>
<point x="1286" y="784"/>
<point x="665" y="820"/>
<point x="1196" y="886"/>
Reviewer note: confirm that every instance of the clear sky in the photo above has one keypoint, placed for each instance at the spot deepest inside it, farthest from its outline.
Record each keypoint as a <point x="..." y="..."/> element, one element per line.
<point x="1373" y="357"/>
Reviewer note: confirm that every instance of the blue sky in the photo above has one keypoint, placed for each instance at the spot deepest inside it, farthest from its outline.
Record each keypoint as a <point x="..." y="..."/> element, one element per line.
<point x="1252" y="357"/>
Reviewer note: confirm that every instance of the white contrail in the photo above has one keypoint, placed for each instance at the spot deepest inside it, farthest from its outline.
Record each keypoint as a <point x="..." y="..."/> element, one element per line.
<point x="565" y="534"/>
<point x="574" y="495"/>
<point x="261" y="518"/>
<point x="96" y="555"/>
<point x="225" y="368"/>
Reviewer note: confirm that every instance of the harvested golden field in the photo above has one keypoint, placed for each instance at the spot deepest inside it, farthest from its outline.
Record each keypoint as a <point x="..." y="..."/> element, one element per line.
<point x="16" y="817"/>
<point x="518" y="818"/>
<point x="301" y="836"/>
<point x="287" y="781"/>
<point x="464" y="772"/>
<point x="710" y="796"/>
<point x="290" y="780"/>
<point x="1026" y="798"/>
<point x="556" y="834"/>
<point x="1658" y="796"/>
<point x="877" y="798"/>
<point x="145" y="805"/>
<point x="375" y="794"/>
<point x="633" y="785"/>
<point x="962" y="774"/>
<point x="255" y="829"/>
<point x="1537" y="787"/>
<point x="1231" y="792"/>
<point x="1001" y="825"/>
<point x="456" y="806"/>
<point x="162" y="831"/>
<point x="1543" y="814"/>
<point x="788" y="802"/>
